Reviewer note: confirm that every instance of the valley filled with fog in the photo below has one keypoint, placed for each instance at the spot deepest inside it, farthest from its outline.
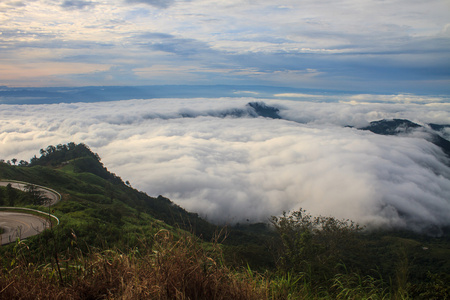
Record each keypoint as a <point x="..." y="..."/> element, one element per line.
<point x="219" y="158"/>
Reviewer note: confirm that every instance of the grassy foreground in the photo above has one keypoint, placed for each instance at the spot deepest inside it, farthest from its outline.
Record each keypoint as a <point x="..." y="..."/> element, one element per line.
<point x="178" y="268"/>
<point x="168" y="269"/>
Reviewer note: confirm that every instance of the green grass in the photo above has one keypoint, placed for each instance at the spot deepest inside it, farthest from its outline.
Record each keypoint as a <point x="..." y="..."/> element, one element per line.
<point x="116" y="242"/>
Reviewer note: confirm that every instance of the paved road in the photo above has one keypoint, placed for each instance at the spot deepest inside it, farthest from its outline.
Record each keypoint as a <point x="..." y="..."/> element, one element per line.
<point x="23" y="225"/>
<point x="20" y="225"/>
<point x="53" y="196"/>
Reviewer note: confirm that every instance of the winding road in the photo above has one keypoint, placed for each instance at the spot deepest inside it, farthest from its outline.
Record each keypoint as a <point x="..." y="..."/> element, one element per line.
<point x="20" y="224"/>
<point x="52" y="195"/>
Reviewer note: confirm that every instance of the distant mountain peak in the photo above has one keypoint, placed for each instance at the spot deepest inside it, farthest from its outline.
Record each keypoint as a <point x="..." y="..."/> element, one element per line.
<point x="262" y="110"/>
<point x="251" y="109"/>
<point x="392" y="127"/>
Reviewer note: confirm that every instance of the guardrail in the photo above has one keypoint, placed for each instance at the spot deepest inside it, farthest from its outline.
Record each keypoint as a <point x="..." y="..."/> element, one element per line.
<point x="30" y="209"/>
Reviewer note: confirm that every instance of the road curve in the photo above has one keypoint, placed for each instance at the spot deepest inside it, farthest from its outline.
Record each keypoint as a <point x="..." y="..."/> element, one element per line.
<point x="49" y="193"/>
<point x="20" y="225"/>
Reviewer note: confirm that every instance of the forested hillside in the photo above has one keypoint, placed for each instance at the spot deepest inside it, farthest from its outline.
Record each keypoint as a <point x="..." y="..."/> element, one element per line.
<point x="114" y="241"/>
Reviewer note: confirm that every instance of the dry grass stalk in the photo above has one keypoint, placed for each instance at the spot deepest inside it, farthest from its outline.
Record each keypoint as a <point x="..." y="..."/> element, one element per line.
<point x="174" y="269"/>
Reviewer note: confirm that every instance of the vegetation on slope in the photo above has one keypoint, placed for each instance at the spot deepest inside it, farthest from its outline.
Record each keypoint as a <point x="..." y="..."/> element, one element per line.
<point x="116" y="242"/>
<point x="91" y="192"/>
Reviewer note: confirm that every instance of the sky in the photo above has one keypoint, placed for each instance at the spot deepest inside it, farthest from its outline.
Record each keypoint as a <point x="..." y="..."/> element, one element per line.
<point x="246" y="169"/>
<point x="334" y="64"/>
<point x="387" y="46"/>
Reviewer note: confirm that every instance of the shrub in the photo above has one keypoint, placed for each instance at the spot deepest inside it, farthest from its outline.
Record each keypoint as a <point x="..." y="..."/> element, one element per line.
<point x="314" y="246"/>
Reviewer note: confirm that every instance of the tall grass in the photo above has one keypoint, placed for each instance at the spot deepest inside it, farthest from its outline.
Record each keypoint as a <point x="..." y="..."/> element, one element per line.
<point x="355" y="286"/>
<point x="181" y="267"/>
<point x="170" y="269"/>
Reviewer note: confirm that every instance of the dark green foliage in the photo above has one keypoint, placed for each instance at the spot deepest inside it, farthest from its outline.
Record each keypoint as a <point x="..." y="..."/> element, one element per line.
<point x="94" y="166"/>
<point x="2" y="197"/>
<point x="36" y="196"/>
<point x="250" y="244"/>
<point x="62" y="153"/>
<point x="83" y="160"/>
<point x="96" y="195"/>
<point x="339" y="257"/>
<point x="11" y="194"/>
<point x="435" y="287"/>
<point x="13" y="197"/>
<point x="316" y="245"/>
<point x="300" y="255"/>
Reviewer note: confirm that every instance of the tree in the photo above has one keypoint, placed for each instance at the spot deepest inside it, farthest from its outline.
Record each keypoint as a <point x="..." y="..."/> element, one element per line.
<point x="11" y="194"/>
<point x="50" y="149"/>
<point x="2" y="200"/>
<point x="71" y="145"/>
<point x="109" y="191"/>
<point x="37" y="195"/>
<point x="23" y="163"/>
<point x="34" y="159"/>
<point x="315" y="246"/>
<point x="14" y="160"/>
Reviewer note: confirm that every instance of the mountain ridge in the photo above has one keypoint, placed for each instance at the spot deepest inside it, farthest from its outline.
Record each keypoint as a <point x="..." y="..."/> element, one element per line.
<point x="405" y="127"/>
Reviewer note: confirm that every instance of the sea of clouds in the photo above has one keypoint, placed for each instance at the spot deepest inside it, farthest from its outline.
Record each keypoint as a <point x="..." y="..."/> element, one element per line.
<point x="245" y="169"/>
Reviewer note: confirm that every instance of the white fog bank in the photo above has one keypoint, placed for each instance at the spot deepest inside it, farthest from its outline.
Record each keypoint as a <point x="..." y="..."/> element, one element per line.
<point x="231" y="169"/>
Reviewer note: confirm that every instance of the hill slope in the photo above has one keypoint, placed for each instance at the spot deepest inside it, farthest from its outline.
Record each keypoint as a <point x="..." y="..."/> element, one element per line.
<point x="99" y="200"/>
<point x="98" y="207"/>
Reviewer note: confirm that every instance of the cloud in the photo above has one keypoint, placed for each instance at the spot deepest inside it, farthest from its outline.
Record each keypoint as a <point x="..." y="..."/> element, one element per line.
<point x="395" y="47"/>
<point x="230" y="169"/>
<point x="180" y="46"/>
<point x="155" y="3"/>
<point x="15" y="3"/>
<point x="253" y="93"/>
<point x="159" y="41"/>
<point x="367" y="98"/>
<point x="400" y="98"/>
<point x="49" y="71"/>
<point x="77" y="4"/>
